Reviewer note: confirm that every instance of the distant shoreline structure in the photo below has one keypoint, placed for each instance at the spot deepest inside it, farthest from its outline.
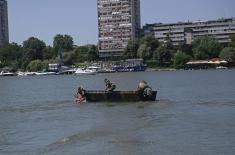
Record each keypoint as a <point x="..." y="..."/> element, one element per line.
<point x="187" y="32"/>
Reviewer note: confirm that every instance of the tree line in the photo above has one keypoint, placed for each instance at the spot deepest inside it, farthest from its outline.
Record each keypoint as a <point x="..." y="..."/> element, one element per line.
<point x="35" y="55"/>
<point x="160" y="55"/>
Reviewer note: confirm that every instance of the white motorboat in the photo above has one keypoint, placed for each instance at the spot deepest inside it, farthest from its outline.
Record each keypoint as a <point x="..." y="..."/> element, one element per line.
<point x="30" y="73"/>
<point x="221" y="67"/>
<point x="45" y="73"/>
<point x="6" y="73"/>
<point x="85" y="71"/>
<point x="66" y="72"/>
<point x="19" y="73"/>
<point x="106" y="70"/>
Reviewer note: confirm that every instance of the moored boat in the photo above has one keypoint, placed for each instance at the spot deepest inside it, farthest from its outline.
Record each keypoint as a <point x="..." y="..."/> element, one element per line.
<point x="85" y="71"/>
<point x="106" y="70"/>
<point x="6" y="73"/>
<point x="45" y="73"/>
<point x="221" y="67"/>
<point x="30" y="73"/>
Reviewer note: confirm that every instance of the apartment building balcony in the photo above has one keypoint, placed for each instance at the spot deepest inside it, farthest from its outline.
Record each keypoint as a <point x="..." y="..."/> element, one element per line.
<point x="214" y="33"/>
<point x="211" y="29"/>
<point x="224" y="40"/>
<point x="105" y="38"/>
<point x="178" y="39"/>
<point x="222" y="37"/>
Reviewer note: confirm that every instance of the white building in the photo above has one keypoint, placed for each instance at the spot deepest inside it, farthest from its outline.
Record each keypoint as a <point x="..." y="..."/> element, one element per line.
<point x="186" y="32"/>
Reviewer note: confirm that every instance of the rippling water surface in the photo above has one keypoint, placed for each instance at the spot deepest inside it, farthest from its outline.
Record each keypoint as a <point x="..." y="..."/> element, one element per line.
<point x="194" y="114"/>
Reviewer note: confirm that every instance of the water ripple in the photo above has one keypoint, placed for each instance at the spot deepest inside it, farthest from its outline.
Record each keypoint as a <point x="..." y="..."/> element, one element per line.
<point x="46" y="106"/>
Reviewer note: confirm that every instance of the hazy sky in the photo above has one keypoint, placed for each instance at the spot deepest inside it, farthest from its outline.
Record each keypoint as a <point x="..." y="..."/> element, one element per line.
<point x="78" y="18"/>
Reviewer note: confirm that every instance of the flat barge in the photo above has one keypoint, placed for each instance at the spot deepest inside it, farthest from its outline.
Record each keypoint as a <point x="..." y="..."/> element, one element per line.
<point x="120" y="96"/>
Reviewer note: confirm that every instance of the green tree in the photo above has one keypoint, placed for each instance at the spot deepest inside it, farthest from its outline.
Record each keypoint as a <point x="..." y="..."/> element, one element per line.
<point x="92" y="53"/>
<point x="147" y="46"/>
<point x="81" y="54"/>
<point x="206" y="47"/>
<point x="186" y="48"/>
<point x="150" y="41"/>
<point x="14" y="65"/>
<point x="130" y="51"/>
<point x="69" y="58"/>
<point x="232" y="43"/>
<point x="63" y="41"/>
<point x="180" y="59"/>
<point x="35" y="65"/>
<point x="28" y="55"/>
<point x="48" y="53"/>
<point x="168" y="42"/>
<point x="9" y="53"/>
<point x="164" y="55"/>
<point x="144" y="52"/>
<point x="228" y="53"/>
<point x="36" y="46"/>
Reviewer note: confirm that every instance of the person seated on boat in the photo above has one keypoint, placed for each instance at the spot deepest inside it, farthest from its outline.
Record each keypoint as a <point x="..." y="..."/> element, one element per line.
<point x="81" y="95"/>
<point x="142" y="85"/>
<point x="109" y="85"/>
<point x="144" y="89"/>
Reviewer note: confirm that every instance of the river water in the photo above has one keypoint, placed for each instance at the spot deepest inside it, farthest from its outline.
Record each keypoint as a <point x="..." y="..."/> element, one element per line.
<point x="194" y="114"/>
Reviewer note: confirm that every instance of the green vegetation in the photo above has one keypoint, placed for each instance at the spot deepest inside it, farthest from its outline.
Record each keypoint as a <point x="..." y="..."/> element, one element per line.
<point x="180" y="59"/>
<point x="155" y="54"/>
<point x="228" y="53"/>
<point x="206" y="48"/>
<point x="166" y="55"/>
<point x="232" y="43"/>
<point x="35" y="55"/>
<point x="35" y="65"/>
<point x="64" y="42"/>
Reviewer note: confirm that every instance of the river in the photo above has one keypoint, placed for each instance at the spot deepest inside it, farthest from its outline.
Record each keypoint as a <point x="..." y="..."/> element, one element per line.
<point x="194" y="114"/>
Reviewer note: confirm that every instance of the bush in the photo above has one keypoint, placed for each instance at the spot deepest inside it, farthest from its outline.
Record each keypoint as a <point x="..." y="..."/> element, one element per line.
<point x="152" y="63"/>
<point x="228" y="54"/>
<point x="35" y="65"/>
<point x="180" y="59"/>
<point x="206" y="47"/>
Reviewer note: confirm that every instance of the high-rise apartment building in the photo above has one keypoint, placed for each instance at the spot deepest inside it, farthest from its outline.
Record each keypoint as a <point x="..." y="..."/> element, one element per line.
<point x="4" y="34"/>
<point x="186" y="32"/>
<point x="118" y="23"/>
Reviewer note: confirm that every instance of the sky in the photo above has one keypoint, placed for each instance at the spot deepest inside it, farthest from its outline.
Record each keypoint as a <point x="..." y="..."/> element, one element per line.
<point x="46" y="18"/>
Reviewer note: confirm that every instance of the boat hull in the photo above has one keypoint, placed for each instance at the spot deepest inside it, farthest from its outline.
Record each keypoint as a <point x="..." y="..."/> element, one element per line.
<point x="119" y="96"/>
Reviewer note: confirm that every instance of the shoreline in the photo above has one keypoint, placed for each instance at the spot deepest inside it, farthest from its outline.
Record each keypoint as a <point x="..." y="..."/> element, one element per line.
<point x="147" y="70"/>
<point x="192" y="69"/>
<point x="160" y="69"/>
